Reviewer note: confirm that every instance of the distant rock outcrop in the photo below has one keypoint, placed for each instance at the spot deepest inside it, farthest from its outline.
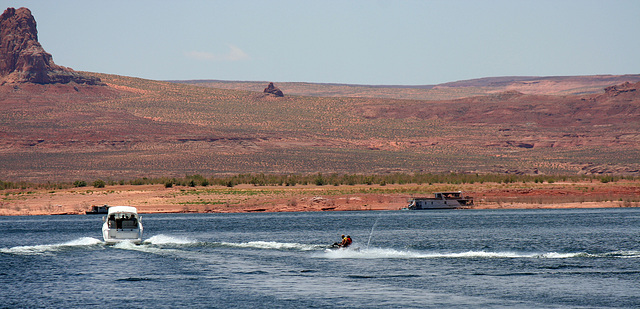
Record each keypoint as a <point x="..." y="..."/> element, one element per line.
<point x="22" y="58"/>
<point x="274" y="90"/>
<point x="616" y="90"/>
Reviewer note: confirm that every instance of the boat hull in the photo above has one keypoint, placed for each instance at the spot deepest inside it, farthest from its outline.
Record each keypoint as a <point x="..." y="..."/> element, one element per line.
<point x="114" y="236"/>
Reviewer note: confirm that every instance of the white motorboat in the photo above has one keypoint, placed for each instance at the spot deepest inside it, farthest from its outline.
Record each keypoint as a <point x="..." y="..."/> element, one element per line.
<point x="122" y="223"/>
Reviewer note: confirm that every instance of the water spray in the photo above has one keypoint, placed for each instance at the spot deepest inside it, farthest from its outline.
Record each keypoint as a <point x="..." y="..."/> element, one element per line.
<point x="372" y="228"/>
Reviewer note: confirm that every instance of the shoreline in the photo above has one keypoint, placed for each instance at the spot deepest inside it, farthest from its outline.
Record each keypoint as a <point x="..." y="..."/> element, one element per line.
<point x="248" y="198"/>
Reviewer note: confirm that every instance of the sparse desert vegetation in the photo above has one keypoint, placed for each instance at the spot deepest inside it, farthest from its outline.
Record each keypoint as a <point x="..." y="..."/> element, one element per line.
<point x="276" y="193"/>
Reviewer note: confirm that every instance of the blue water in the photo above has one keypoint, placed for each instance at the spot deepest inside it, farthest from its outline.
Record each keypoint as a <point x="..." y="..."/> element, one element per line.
<point x="583" y="258"/>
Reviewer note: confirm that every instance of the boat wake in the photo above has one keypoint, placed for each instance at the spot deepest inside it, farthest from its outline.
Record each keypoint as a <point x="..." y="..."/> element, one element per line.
<point x="89" y="242"/>
<point x="166" y="243"/>
<point x="381" y="253"/>
<point x="83" y="242"/>
<point x="169" y="240"/>
<point x="173" y="241"/>
<point x="274" y="245"/>
<point x="159" y="244"/>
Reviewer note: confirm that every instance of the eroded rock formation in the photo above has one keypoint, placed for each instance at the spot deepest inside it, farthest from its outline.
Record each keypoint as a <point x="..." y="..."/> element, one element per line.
<point x="616" y="90"/>
<point x="22" y="58"/>
<point x="274" y="90"/>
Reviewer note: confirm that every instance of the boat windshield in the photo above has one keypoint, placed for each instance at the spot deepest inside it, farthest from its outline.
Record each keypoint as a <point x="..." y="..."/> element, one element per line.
<point x="123" y="221"/>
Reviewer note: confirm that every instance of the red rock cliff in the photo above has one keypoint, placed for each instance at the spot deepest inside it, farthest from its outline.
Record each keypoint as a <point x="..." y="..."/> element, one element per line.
<point x="22" y="58"/>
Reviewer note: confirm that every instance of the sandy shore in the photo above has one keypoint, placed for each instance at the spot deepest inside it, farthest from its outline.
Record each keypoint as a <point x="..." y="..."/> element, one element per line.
<point x="248" y="198"/>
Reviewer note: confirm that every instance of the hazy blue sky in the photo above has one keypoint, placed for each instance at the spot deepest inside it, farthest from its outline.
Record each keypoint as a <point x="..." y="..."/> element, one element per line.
<point x="359" y="42"/>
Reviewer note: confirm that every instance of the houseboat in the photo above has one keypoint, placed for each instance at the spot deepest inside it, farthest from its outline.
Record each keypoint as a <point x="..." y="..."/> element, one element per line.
<point x="122" y="223"/>
<point x="98" y="210"/>
<point x="441" y="200"/>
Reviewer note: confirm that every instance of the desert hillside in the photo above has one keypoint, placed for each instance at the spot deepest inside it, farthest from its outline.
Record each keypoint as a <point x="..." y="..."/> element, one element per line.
<point x="552" y="85"/>
<point x="132" y="127"/>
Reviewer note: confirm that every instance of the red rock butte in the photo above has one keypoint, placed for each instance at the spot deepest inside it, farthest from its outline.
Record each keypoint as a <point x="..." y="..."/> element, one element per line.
<point x="22" y="58"/>
<point x="272" y="89"/>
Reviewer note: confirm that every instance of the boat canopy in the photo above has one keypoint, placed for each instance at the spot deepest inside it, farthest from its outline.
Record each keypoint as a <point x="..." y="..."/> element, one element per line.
<point x="454" y="194"/>
<point x="122" y="209"/>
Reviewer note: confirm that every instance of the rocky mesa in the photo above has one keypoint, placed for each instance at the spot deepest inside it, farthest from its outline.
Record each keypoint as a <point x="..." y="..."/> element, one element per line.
<point x="22" y="58"/>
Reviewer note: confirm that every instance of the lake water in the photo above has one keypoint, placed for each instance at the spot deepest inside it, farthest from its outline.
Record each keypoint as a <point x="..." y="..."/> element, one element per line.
<point x="582" y="258"/>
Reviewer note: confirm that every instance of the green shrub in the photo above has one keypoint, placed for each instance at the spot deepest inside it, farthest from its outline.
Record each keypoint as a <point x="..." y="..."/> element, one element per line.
<point x="99" y="183"/>
<point x="319" y="180"/>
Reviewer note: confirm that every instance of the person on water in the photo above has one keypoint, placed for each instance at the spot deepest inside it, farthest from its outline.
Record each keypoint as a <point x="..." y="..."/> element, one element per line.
<point x="346" y="241"/>
<point x="338" y="244"/>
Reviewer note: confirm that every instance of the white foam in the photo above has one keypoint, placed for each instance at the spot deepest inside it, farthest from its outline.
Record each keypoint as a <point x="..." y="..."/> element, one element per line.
<point x="555" y="255"/>
<point x="485" y="254"/>
<point x="381" y="253"/>
<point x="84" y="241"/>
<point x="272" y="245"/>
<point x="372" y="253"/>
<point x="166" y="239"/>
<point x="125" y="245"/>
<point x="41" y="249"/>
<point x="145" y="247"/>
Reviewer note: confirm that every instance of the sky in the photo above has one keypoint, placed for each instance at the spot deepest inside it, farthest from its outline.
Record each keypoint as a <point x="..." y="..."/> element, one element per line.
<point x="355" y="42"/>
